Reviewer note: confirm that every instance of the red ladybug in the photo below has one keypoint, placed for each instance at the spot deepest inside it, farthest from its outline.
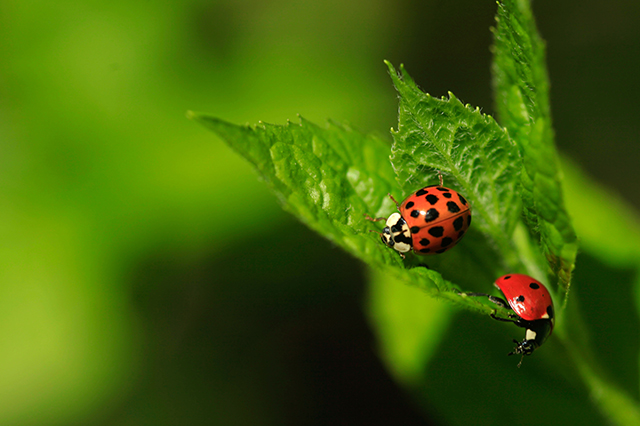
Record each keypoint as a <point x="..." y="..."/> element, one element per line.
<point x="533" y="307"/>
<point x="430" y="221"/>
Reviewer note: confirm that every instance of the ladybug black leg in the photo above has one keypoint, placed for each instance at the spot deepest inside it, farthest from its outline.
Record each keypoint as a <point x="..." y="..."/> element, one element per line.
<point x="493" y="315"/>
<point x="500" y="302"/>
<point x="474" y="294"/>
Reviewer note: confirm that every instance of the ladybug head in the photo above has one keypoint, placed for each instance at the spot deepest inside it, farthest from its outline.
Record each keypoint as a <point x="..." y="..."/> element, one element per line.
<point x="396" y="234"/>
<point x="386" y="237"/>
<point x="526" y="347"/>
<point x="536" y="334"/>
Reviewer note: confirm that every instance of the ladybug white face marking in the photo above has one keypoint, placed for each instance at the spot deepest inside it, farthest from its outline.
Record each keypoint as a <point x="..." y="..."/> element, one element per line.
<point x="396" y="234"/>
<point x="530" y="334"/>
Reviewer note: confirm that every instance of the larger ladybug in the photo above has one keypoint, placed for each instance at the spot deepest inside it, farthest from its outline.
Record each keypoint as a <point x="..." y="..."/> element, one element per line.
<point x="430" y="221"/>
<point x="533" y="307"/>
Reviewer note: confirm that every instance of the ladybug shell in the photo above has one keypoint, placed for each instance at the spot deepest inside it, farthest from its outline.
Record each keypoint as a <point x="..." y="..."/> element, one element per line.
<point x="528" y="297"/>
<point x="437" y="218"/>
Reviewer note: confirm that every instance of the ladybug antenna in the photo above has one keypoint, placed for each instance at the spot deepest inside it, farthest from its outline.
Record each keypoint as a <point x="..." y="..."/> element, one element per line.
<point x="394" y="200"/>
<point x="440" y="177"/>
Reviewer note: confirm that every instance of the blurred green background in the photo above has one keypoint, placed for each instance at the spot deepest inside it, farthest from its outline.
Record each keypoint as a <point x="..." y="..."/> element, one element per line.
<point x="148" y="277"/>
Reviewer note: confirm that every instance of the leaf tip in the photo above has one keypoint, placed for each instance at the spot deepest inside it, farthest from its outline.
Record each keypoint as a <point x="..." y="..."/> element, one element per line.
<point x="198" y="116"/>
<point x="405" y="74"/>
<point x="392" y="69"/>
<point x="203" y="119"/>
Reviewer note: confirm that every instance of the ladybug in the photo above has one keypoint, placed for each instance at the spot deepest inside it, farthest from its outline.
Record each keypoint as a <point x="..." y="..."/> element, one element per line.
<point x="533" y="307"/>
<point x="430" y="221"/>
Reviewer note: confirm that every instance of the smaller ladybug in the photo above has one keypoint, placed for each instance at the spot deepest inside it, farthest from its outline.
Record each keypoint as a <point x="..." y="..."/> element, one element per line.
<point x="430" y="221"/>
<point x="533" y="307"/>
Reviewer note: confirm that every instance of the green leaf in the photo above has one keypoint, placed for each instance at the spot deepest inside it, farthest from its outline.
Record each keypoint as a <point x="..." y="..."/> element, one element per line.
<point x="330" y="177"/>
<point x="473" y="153"/>
<point x="522" y="101"/>
<point x="327" y="177"/>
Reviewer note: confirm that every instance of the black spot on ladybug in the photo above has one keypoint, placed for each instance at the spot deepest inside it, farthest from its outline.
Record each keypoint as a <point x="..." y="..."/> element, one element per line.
<point x="415" y="213"/>
<point x="462" y="200"/>
<point x="441" y="250"/>
<point x="421" y="192"/>
<point x="432" y="199"/>
<point x="460" y="234"/>
<point x="521" y="298"/>
<point x="409" y="205"/>
<point x="550" y="311"/>
<point x="534" y="286"/>
<point x="436" y="231"/>
<point x="414" y="229"/>
<point x="446" y="241"/>
<point x="424" y="242"/>
<point x="457" y="224"/>
<point x="425" y="250"/>
<point x="453" y="207"/>
<point x="469" y="220"/>
<point x="439" y="188"/>
<point x="447" y="195"/>
<point x="432" y="214"/>
<point x="397" y="228"/>
<point x="507" y="277"/>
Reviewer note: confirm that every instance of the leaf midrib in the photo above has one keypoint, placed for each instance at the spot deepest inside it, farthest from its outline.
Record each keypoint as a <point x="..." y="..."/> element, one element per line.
<point x="495" y="231"/>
